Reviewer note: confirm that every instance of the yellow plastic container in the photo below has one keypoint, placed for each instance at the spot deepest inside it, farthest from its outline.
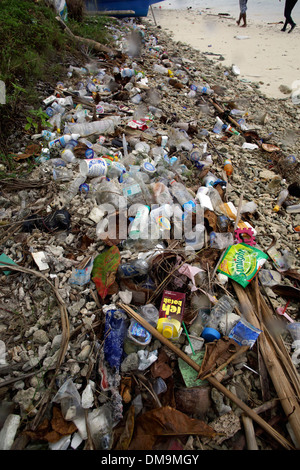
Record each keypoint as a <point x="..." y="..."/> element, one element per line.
<point x="170" y="328"/>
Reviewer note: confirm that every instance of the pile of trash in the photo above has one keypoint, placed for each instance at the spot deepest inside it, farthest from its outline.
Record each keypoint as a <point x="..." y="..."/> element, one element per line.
<point x="144" y="295"/>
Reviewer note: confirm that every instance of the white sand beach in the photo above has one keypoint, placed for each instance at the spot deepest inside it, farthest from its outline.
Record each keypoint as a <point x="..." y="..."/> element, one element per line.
<point x="261" y="51"/>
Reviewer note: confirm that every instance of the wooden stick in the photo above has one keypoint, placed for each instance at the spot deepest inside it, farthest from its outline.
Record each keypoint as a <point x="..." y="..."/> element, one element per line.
<point x="249" y="432"/>
<point x="282" y="380"/>
<point x="212" y="380"/>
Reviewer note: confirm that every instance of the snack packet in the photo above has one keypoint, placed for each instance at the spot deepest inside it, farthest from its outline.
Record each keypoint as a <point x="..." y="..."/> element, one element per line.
<point x="242" y="262"/>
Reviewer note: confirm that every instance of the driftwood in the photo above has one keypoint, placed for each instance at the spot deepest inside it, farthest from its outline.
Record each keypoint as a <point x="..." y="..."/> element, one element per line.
<point x="279" y="365"/>
<point x="96" y="46"/>
<point x="212" y="380"/>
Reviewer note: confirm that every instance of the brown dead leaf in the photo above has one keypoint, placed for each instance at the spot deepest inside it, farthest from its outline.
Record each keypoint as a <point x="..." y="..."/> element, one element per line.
<point x="60" y="425"/>
<point x="31" y="150"/>
<point x="165" y="421"/>
<point x="123" y="435"/>
<point x="161" y="368"/>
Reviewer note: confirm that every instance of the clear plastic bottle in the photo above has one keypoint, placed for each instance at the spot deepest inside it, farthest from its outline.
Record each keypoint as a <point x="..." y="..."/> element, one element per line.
<point x="103" y="126"/>
<point x="68" y="156"/>
<point x="224" y="306"/>
<point x="138" y="267"/>
<point x="150" y="313"/>
<point x="180" y="192"/>
<point x="197" y="326"/>
<point x="280" y="200"/>
<point x="74" y="188"/>
<point x="294" y="209"/>
<point x="162" y="194"/>
<point x="140" y="223"/>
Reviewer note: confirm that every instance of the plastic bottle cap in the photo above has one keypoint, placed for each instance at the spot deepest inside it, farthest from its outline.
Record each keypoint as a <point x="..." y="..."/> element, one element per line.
<point x="168" y="332"/>
<point x="276" y="208"/>
<point x="210" y="334"/>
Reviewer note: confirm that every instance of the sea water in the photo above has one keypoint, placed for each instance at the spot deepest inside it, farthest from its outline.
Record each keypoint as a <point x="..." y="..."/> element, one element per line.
<point x="267" y="11"/>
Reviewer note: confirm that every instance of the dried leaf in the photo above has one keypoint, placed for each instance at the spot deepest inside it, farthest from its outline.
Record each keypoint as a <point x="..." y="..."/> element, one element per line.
<point x="60" y="425"/>
<point x="124" y="439"/>
<point x="166" y="421"/>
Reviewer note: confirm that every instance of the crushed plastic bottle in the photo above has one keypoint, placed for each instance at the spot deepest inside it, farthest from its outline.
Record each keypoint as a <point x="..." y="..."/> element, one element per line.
<point x="224" y="306"/>
<point x="114" y="333"/>
<point x="138" y="267"/>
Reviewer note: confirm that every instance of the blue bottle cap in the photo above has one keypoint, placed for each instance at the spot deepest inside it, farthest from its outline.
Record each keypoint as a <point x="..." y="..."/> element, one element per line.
<point x="210" y="334"/>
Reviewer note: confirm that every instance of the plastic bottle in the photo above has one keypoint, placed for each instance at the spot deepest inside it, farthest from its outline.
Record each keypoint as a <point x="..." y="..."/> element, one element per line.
<point x="74" y="188"/>
<point x="180" y="192"/>
<point x="114" y="334"/>
<point x="280" y="200"/>
<point x="206" y="90"/>
<point x="150" y="313"/>
<point x="209" y="179"/>
<point x="169" y="327"/>
<point x="223" y="223"/>
<point x="228" y="168"/>
<point x="127" y="72"/>
<point x="161" y="193"/>
<point x="197" y="326"/>
<point x="68" y="156"/>
<point x="293" y="209"/>
<point x="138" y="267"/>
<point x="47" y="135"/>
<point x="224" y="306"/>
<point x="63" y="140"/>
<point x="160" y="69"/>
<point x="294" y="330"/>
<point x="139" y="223"/>
<point x="103" y="126"/>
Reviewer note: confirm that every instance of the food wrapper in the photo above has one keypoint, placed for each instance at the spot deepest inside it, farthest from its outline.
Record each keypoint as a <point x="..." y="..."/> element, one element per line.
<point x="242" y="262"/>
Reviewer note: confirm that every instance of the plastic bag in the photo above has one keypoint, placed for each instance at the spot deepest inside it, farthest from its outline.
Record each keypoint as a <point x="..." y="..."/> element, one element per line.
<point x="242" y="262"/>
<point x="244" y="333"/>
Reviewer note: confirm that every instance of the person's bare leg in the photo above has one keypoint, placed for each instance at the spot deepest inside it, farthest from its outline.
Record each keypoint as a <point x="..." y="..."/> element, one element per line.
<point x="244" y="18"/>
<point x="239" y="20"/>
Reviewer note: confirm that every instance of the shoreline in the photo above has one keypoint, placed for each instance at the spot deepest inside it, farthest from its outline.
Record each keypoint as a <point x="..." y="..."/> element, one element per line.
<point x="262" y="52"/>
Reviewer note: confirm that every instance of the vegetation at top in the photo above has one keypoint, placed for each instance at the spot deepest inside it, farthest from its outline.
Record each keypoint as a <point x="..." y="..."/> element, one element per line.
<point x="34" y="48"/>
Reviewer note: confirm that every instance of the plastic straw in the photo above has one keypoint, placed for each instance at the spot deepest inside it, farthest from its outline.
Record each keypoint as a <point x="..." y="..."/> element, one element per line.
<point x="187" y="335"/>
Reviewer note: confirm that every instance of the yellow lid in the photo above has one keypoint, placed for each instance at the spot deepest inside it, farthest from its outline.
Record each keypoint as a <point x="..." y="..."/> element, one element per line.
<point x="168" y="331"/>
<point x="276" y="208"/>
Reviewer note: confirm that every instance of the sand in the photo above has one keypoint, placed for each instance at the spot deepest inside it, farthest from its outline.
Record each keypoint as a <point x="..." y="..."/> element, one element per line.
<point x="261" y="51"/>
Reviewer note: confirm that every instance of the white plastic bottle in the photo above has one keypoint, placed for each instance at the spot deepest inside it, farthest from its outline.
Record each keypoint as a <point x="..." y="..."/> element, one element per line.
<point x="63" y="140"/>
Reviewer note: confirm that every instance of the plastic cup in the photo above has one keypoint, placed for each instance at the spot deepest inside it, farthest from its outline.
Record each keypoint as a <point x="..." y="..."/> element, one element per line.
<point x="93" y="167"/>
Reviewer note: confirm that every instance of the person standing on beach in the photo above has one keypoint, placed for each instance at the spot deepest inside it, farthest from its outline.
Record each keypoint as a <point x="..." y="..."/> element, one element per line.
<point x="288" y="8"/>
<point x="243" y="15"/>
